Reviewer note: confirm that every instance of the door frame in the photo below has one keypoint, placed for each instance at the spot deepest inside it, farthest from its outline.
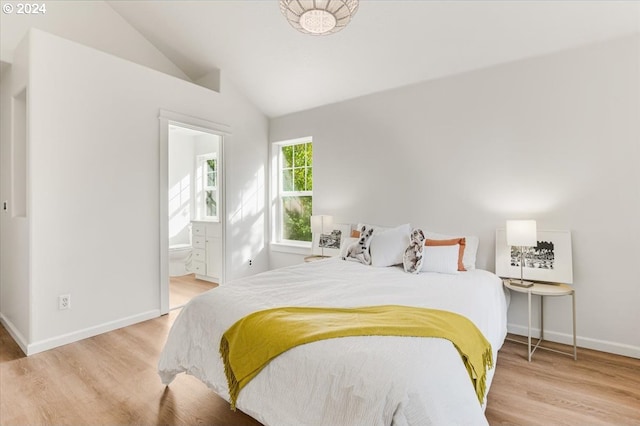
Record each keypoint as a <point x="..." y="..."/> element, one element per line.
<point x="166" y="119"/>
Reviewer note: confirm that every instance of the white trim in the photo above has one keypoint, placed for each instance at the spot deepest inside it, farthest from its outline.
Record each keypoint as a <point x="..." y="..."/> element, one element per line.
<point x="167" y="118"/>
<point x="583" y="342"/>
<point x="164" y="214"/>
<point x="292" y="247"/>
<point x="64" y="339"/>
<point x="31" y="312"/>
<point x="201" y="209"/>
<point x="13" y="331"/>
<point x="278" y="192"/>
<point x="193" y="123"/>
<point x="294" y="141"/>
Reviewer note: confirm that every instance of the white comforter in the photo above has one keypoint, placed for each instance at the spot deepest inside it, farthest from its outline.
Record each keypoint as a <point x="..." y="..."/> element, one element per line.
<point x="368" y="380"/>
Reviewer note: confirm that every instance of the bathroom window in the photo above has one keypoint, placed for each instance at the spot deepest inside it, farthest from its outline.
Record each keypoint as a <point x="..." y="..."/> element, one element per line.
<point x="295" y="190"/>
<point x="208" y="171"/>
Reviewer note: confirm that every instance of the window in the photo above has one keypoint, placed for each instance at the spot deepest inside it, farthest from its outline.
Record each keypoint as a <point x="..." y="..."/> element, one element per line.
<point x="295" y="190"/>
<point x="208" y="173"/>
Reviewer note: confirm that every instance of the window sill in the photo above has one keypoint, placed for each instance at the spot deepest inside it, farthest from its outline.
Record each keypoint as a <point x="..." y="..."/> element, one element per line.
<point x="292" y="248"/>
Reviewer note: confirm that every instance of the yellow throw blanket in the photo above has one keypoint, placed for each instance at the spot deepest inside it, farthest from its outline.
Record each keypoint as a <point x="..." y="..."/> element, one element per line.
<point x="253" y="341"/>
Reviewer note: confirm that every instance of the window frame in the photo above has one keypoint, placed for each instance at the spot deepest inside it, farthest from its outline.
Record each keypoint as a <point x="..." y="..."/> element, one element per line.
<point x="280" y="193"/>
<point x="203" y="187"/>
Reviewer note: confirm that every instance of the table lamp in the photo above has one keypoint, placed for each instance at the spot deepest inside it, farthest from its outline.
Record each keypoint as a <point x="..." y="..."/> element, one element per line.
<point x="521" y="233"/>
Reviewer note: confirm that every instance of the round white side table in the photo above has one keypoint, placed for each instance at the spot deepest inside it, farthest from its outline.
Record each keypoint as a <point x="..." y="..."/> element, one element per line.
<point x="542" y="290"/>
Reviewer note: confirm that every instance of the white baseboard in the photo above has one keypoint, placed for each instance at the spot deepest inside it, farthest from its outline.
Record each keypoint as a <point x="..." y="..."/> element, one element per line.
<point x="54" y="342"/>
<point x="582" y="342"/>
<point x="13" y="331"/>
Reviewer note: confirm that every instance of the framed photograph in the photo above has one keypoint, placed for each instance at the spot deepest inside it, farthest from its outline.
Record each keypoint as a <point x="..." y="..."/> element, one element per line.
<point x="330" y="243"/>
<point x="549" y="261"/>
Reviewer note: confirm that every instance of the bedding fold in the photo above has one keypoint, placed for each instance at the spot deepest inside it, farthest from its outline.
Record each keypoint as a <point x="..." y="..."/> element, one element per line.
<point x="256" y="339"/>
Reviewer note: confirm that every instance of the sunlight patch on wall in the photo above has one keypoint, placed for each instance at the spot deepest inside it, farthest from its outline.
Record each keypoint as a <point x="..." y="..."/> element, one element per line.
<point x="251" y="212"/>
<point x="532" y="201"/>
<point x="179" y="206"/>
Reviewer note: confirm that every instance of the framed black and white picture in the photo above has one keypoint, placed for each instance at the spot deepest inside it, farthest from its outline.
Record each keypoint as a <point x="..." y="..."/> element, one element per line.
<point x="549" y="261"/>
<point x="329" y="243"/>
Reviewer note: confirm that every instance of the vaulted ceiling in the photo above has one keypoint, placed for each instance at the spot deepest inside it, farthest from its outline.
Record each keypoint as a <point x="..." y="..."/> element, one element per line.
<point x="388" y="44"/>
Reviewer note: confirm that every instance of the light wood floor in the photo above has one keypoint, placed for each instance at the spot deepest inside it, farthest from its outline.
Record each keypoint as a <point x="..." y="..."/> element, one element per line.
<point x="553" y="389"/>
<point x="111" y="379"/>
<point x="182" y="289"/>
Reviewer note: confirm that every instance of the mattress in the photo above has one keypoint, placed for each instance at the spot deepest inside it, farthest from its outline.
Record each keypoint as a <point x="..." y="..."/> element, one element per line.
<point x="364" y="380"/>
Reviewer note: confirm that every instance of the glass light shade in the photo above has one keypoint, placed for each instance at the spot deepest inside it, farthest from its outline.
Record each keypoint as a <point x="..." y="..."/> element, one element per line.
<point x="318" y="17"/>
<point x="320" y="223"/>
<point x="318" y="21"/>
<point x="521" y="233"/>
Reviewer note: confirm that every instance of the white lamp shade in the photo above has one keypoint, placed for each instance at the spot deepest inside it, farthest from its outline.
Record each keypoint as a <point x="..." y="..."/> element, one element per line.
<point x="522" y="233"/>
<point x="321" y="223"/>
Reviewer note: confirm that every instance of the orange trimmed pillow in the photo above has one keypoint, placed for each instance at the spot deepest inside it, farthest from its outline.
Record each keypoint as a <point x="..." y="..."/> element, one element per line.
<point x="451" y="242"/>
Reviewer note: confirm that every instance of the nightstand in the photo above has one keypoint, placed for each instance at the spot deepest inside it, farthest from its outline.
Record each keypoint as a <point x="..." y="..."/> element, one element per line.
<point x="315" y="257"/>
<point x="542" y="290"/>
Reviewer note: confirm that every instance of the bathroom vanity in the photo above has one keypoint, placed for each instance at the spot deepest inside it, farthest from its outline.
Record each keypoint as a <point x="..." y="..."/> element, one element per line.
<point x="206" y="259"/>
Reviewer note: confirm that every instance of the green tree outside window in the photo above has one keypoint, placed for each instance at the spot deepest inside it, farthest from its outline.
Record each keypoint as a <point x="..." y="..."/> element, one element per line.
<point x="297" y="187"/>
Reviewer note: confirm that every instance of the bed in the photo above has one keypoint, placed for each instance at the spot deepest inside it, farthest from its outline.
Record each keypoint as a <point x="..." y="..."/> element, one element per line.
<point x="364" y="380"/>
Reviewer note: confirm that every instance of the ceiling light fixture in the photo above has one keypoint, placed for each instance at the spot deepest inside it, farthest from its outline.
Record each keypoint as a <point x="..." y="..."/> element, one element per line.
<point x="318" y="17"/>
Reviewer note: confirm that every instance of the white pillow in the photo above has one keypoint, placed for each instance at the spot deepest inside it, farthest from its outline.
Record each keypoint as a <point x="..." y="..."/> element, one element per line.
<point x="442" y="259"/>
<point x="470" y="250"/>
<point x="344" y="245"/>
<point x="376" y="228"/>
<point x="388" y="246"/>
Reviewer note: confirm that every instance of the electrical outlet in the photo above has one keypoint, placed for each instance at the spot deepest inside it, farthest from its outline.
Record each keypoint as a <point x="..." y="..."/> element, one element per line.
<point x="250" y="262"/>
<point x="64" y="301"/>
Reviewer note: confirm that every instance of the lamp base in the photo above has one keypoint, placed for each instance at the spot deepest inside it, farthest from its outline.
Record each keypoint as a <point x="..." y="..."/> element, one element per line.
<point x="520" y="283"/>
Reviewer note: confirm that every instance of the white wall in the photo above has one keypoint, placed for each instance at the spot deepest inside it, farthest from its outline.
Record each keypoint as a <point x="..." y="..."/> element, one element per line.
<point x="14" y="230"/>
<point x="181" y="169"/>
<point x="94" y="23"/>
<point x="554" y="138"/>
<point x="94" y="185"/>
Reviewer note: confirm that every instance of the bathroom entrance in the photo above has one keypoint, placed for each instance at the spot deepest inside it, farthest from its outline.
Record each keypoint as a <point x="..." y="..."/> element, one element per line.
<point x="192" y="234"/>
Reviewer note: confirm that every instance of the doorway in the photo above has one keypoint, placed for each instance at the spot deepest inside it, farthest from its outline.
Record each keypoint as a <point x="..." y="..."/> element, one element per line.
<point x="192" y="208"/>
